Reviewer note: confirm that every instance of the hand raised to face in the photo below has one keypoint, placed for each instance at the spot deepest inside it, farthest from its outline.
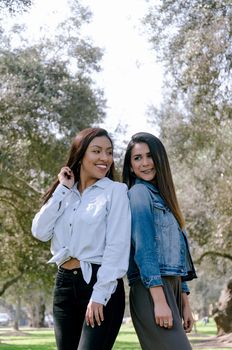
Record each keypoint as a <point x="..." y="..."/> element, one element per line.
<point x="66" y="177"/>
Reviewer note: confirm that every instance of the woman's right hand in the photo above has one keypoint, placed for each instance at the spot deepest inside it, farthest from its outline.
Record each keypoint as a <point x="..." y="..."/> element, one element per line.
<point x="162" y="312"/>
<point x="66" y="177"/>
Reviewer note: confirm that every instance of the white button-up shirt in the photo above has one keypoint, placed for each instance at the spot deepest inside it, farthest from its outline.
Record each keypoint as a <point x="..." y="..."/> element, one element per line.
<point x="93" y="227"/>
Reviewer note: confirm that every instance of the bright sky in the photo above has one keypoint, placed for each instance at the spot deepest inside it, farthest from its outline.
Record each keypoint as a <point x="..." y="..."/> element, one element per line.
<point x="130" y="77"/>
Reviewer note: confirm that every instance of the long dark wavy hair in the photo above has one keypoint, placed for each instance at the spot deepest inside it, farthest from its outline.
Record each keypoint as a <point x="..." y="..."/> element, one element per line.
<point x="163" y="178"/>
<point x="77" y="151"/>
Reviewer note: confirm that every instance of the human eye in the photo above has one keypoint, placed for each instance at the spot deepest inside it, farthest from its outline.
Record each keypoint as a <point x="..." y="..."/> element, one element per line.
<point x="97" y="151"/>
<point x="137" y="157"/>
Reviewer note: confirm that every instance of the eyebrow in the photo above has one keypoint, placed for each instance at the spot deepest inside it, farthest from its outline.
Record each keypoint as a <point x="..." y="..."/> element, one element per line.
<point x="139" y="154"/>
<point x="101" y="147"/>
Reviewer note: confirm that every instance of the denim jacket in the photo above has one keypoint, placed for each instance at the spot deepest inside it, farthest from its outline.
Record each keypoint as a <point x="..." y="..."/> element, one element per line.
<point x="159" y="247"/>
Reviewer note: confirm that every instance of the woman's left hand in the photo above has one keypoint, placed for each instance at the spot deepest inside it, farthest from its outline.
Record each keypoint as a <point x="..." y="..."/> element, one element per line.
<point x="187" y="314"/>
<point x="94" y="313"/>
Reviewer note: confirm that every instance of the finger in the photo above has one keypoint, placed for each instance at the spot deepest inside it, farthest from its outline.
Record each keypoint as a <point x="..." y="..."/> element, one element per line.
<point x="97" y="318"/>
<point x="170" y="323"/>
<point x="64" y="169"/>
<point x="187" y="330"/>
<point x="165" y="324"/>
<point x="67" y="172"/>
<point x="90" y="318"/>
<point x="190" y="326"/>
<point x="87" y="319"/>
<point x="187" y="326"/>
<point x="101" y="313"/>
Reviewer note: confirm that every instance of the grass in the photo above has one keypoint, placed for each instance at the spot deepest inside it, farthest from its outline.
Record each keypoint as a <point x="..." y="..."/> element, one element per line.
<point x="43" y="339"/>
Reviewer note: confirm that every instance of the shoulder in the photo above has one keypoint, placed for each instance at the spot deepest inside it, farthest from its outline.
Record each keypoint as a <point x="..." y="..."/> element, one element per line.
<point x="115" y="187"/>
<point x="138" y="190"/>
<point x="119" y="185"/>
<point x="139" y="195"/>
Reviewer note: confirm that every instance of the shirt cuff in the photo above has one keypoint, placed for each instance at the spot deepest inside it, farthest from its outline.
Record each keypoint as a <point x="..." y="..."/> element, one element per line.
<point x="60" y="192"/>
<point x="98" y="297"/>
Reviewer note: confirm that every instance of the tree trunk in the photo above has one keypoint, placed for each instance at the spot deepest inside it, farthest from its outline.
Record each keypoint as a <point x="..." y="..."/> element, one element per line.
<point x="223" y="313"/>
<point x="41" y="312"/>
<point x="17" y="313"/>
<point x="38" y="313"/>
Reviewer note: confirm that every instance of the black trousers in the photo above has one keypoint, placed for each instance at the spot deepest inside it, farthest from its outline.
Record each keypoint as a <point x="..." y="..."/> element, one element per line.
<point x="151" y="336"/>
<point x="71" y="297"/>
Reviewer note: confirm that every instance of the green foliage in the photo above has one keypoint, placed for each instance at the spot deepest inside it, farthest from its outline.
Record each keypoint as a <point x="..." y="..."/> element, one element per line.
<point x="43" y="104"/>
<point x="194" y="42"/>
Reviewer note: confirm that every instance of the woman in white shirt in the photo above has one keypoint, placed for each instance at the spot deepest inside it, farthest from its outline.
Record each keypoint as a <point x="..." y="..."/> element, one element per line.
<point x="86" y="216"/>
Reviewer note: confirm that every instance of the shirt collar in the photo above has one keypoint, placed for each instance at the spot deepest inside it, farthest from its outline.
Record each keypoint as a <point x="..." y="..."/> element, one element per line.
<point x="102" y="183"/>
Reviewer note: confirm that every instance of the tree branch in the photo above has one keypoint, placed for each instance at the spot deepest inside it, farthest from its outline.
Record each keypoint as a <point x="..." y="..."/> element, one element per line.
<point x="214" y="254"/>
<point x="9" y="283"/>
<point x="26" y="184"/>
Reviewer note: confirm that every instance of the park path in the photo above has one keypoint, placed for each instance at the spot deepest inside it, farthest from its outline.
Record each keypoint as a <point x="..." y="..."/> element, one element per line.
<point x="211" y="342"/>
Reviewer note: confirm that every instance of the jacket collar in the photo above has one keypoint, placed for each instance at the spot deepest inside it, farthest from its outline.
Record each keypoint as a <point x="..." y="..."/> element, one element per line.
<point x="148" y="184"/>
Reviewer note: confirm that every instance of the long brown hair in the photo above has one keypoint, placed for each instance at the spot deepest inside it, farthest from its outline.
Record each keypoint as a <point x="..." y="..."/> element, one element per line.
<point x="77" y="151"/>
<point x="163" y="177"/>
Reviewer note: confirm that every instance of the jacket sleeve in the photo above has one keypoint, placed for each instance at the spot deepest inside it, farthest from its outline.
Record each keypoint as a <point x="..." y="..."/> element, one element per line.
<point x="117" y="245"/>
<point x="184" y="287"/>
<point x="144" y="236"/>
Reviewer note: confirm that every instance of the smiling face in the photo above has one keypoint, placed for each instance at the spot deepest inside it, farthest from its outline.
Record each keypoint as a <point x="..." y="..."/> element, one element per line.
<point x="97" y="160"/>
<point x="142" y="163"/>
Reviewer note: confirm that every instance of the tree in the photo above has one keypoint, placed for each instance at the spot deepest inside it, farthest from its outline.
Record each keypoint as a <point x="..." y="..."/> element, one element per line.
<point x="15" y="5"/>
<point x="43" y="105"/>
<point x="193" y="39"/>
<point x="223" y="312"/>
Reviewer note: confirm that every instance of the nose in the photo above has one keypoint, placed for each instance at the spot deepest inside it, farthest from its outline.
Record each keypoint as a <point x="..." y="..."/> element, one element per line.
<point x="145" y="161"/>
<point x="104" y="156"/>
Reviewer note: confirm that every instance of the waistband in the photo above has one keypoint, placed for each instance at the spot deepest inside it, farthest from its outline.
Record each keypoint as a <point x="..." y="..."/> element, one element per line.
<point x="77" y="270"/>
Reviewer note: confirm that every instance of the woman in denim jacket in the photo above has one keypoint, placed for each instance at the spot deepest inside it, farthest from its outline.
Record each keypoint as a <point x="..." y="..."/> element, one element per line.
<point x="160" y="261"/>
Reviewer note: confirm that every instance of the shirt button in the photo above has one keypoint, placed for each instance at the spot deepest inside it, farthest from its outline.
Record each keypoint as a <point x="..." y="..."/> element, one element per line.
<point x="75" y="272"/>
<point x="70" y="225"/>
<point x="63" y="192"/>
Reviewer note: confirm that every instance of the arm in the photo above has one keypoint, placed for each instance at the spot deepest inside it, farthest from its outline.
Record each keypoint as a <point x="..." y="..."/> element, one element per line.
<point x="116" y="254"/>
<point x="44" y="221"/>
<point x="146" y="251"/>
<point x="187" y="314"/>
<point x="163" y="313"/>
<point x="144" y="236"/>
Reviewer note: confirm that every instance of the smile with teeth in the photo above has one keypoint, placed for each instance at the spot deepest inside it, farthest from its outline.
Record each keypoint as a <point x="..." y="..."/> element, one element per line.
<point x="148" y="171"/>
